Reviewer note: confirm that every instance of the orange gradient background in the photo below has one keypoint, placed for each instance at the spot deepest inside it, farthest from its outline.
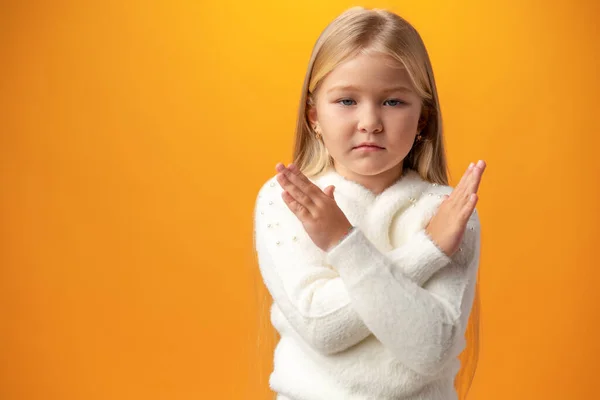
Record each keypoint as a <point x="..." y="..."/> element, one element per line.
<point x="134" y="138"/>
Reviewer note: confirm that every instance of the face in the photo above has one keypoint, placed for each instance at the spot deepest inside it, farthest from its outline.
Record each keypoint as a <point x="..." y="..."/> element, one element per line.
<point x="369" y="98"/>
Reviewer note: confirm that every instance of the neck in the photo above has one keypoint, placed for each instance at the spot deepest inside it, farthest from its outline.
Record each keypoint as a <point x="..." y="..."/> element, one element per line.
<point x="376" y="183"/>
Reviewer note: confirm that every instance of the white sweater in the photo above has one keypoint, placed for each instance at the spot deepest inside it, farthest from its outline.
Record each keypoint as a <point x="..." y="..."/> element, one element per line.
<point x="380" y="316"/>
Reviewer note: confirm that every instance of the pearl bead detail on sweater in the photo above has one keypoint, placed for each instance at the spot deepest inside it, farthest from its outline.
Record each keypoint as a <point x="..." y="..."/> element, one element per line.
<point x="285" y="242"/>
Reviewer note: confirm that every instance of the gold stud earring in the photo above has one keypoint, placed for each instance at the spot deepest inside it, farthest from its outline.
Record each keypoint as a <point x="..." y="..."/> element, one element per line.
<point x="317" y="131"/>
<point x="419" y="137"/>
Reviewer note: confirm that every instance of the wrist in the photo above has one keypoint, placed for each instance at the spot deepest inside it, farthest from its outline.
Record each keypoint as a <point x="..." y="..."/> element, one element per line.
<point x="435" y="242"/>
<point x="344" y="236"/>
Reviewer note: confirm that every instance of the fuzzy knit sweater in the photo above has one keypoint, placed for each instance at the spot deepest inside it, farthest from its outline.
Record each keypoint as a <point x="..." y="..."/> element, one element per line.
<point x="380" y="316"/>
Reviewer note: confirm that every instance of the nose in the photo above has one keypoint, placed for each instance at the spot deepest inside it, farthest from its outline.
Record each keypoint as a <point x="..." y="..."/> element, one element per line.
<point x="370" y="120"/>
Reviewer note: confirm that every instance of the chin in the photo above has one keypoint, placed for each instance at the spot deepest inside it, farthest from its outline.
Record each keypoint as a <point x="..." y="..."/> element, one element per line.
<point x="370" y="168"/>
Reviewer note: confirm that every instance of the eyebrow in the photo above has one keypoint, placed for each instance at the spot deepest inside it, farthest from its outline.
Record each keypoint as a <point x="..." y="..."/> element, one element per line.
<point x="352" y="87"/>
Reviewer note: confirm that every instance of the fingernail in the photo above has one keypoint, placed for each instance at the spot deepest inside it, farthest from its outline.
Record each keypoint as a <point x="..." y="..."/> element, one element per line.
<point x="480" y="163"/>
<point x="471" y="166"/>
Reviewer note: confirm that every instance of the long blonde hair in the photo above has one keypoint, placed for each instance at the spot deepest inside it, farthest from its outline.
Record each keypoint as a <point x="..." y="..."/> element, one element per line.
<point x="358" y="31"/>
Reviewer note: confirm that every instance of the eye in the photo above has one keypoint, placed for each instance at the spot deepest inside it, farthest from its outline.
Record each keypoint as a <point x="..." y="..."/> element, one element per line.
<point x="395" y="102"/>
<point x="342" y="102"/>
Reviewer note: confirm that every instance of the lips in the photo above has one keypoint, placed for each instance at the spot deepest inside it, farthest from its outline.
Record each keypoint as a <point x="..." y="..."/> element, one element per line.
<point x="369" y="146"/>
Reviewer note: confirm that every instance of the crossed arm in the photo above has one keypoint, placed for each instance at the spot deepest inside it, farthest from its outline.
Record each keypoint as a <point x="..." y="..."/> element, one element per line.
<point x="413" y="298"/>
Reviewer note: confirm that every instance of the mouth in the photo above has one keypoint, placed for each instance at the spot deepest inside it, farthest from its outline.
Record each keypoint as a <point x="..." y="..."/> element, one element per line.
<point x="369" y="147"/>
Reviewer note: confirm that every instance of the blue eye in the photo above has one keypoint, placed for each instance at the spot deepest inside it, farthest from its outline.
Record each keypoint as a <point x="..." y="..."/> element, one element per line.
<point x="397" y="102"/>
<point x="345" y="104"/>
<point x="394" y="102"/>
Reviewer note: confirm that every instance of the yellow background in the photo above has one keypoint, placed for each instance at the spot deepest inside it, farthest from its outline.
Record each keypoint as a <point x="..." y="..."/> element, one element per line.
<point x="134" y="138"/>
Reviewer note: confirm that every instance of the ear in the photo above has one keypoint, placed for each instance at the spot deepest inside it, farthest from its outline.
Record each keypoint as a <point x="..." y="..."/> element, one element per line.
<point x="311" y="113"/>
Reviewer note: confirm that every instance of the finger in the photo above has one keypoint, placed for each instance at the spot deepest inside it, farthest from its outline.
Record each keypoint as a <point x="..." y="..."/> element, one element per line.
<point x="295" y="191"/>
<point x="466" y="175"/>
<point x="279" y="167"/>
<point x="467" y="211"/>
<point x="329" y="191"/>
<point x="459" y="190"/>
<point x="301" y="180"/>
<point x="311" y="190"/>
<point x="298" y="209"/>
<point x="475" y="180"/>
<point x="286" y="180"/>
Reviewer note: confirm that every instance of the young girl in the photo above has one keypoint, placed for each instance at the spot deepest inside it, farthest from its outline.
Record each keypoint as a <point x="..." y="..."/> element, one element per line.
<point x="370" y="257"/>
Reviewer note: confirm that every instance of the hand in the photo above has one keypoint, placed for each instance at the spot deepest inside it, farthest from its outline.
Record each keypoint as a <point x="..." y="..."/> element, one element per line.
<point x="320" y="215"/>
<point x="448" y="225"/>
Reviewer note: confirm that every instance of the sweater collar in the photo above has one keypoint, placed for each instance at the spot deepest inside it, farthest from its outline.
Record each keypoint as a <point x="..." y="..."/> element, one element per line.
<point x="406" y="189"/>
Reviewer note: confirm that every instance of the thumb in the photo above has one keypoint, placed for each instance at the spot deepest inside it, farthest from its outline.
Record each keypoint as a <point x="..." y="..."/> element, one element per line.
<point x="329" y="191"/>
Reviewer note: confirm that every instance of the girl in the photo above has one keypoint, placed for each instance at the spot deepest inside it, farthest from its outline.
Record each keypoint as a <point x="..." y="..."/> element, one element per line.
<point x="370" y="257"/>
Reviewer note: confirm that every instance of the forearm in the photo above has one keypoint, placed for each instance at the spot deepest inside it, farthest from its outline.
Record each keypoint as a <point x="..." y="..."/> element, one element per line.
<point x="419" y="326"/>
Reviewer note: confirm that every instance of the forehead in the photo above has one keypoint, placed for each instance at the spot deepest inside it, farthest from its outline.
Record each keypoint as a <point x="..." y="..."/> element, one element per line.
<point x="368" y="72"/>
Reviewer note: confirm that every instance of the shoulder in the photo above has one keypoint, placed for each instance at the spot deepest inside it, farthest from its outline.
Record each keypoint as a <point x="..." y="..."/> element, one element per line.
<point x="278" y="227"/>
<point x="432" y="195"/>
<point x="268" y="188"/>
<point x="270" y="209"/>
<point x="437" y="189"/>
<point x="268" y="199"/>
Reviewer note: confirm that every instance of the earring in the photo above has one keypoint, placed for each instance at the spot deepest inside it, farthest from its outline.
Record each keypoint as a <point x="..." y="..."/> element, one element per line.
<point x="419" y="137"/>
<point x="317" y="131"/>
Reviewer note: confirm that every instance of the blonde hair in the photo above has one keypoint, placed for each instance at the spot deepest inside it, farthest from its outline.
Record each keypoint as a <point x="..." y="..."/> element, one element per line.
<point x="362" y="31"/>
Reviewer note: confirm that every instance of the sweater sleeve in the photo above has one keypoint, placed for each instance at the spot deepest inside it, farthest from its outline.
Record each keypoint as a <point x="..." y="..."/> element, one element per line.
<point x="309" y="292"/>
<point x="418" y="259"/>
<point x="419" y="325"/>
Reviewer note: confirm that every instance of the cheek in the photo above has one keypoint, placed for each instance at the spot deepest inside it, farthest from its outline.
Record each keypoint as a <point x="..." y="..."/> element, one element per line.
<point x="330" y="111"/>
<point x="405" y="121"/>
<point x="335" y="116"/>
